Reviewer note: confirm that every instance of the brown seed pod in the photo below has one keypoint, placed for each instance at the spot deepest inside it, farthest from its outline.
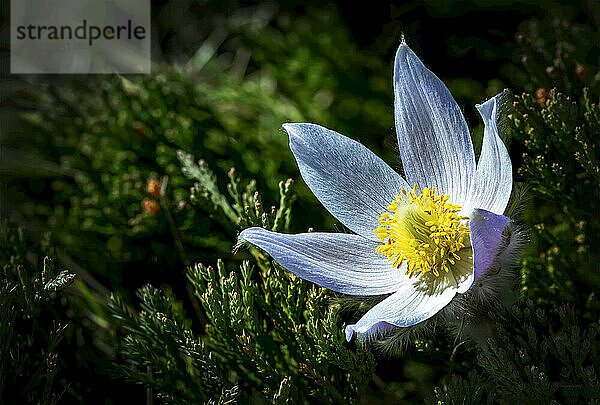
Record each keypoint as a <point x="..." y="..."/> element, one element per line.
<point x="150" y="206"/>
<point x="541" y="95"/>
<point x="153" y="188"/>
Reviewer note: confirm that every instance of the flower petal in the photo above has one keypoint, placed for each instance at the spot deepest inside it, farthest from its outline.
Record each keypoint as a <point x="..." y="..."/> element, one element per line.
<point x="463" y="270"/>
<point x="492" y="183"/>
<point x="341" y="262"/>
<point x="418" y="299"/>
<point x="486" y="238"/>
<point x="433" y="136"/>
<point x="353" y="183"/>
<point x="411" y="304"/>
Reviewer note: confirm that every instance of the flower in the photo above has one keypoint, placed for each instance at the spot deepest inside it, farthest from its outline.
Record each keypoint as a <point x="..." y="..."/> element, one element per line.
<point x="423" y="238"/>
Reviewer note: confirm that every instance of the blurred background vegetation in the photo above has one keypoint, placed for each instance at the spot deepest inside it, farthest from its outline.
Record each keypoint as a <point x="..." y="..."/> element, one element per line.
<point x="127" y="182"/>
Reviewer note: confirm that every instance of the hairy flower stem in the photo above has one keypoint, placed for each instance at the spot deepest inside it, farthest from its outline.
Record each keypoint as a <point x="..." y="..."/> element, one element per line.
<point x="456" y="346"/>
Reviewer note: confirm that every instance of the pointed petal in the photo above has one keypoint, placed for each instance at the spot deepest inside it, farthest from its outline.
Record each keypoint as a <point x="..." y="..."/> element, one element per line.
<point x="353" y="183"/>
<point x="486" y="238"/>
<point x="492" y="183"/>
<point x="419" y="299"/>
<point x="433" y="136"/>
<point x="411" y="304"/>
<point x="341" y="262"/>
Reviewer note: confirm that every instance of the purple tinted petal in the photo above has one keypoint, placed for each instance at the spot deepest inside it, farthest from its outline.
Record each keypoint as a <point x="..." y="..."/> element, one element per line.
<point x="349" y="332"/>
<point x="378" y="329"/>
<point x="486" y="238"/>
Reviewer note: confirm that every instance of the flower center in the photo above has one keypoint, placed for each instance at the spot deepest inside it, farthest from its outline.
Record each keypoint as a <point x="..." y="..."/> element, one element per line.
<point x="422" y="230"/>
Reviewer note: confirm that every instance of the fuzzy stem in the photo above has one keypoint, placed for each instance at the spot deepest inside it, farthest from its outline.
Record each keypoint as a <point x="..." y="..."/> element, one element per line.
<point x="456" y="346"/>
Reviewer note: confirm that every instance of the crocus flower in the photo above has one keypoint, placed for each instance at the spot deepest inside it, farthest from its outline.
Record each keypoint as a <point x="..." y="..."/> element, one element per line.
<point x="423" y="238"/>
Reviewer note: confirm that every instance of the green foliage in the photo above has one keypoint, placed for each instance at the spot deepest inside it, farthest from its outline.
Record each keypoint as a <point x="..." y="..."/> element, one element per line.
<point x="131" y="130"/>
<point x="271" y="336"/>
<point x="561" y="49"/>
<point x="30" y="329"/>
<point x="160" y="351"/>
<point x="246" y="208"/>
<point x="536" y="357"/>
<point x="549" y="355"/>
<point x="465" y="391"/>
<point x="559" y="144"/>
<point x="111" y="136"/>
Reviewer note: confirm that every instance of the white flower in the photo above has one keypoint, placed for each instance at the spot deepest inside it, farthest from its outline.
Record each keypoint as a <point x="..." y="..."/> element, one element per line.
<point x="423" y="238"/>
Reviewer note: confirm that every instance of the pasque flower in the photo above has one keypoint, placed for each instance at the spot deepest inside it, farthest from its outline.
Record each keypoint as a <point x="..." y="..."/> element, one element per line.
<point x="423" y="238"/>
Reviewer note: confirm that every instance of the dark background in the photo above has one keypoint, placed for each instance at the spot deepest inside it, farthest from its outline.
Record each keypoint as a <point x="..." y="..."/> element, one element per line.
<point x="476" y="48"/>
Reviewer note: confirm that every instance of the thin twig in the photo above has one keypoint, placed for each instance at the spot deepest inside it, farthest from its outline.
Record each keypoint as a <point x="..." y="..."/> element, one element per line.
<point x="384" y="387"/>
<point x="179" y="246"/>
<point x="149" y="395"/>
<point x="172" y="226"/>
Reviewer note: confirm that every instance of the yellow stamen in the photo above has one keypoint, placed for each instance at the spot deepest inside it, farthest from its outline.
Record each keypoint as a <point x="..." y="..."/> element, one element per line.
<point x="424" y="231"/>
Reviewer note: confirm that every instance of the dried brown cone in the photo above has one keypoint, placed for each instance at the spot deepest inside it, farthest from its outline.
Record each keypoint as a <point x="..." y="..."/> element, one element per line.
<point x="153" y="188"/>
<point x="150" y="206"/>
